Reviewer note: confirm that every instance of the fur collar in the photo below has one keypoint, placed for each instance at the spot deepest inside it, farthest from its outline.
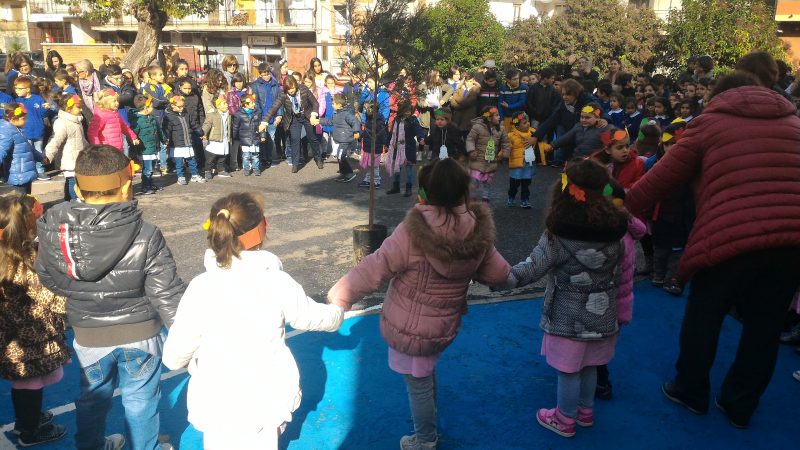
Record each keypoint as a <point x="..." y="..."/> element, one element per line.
<point x="443" y="248"/>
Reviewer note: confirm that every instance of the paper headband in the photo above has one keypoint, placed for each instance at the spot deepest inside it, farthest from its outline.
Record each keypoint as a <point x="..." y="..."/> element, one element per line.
<point x="174" y="99"/>
<point x="72" y="101"/>
<point x="102" y="183"/>
<point x="518" y="118"/>
<point x="609" y="137"/>
<point x="20" y="111"/>
<point x="676" y="135"/>
<point x="251" y="238"/>
<point x="441" y="112"/>
<point x="589" y="109"/>
<point x="579" y="193"/>
<point x="491" y="111"/>
<point x="218" y="101"/>
<point x="37" y="210"/>
<point x="251" y="98"/>
<point x="109" y="92"/>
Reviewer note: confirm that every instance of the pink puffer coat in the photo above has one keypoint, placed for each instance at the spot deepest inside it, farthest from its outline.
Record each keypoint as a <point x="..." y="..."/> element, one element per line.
<point x="636" y="229"/>
<point x="107" y="128"/>
<point x="430" y="261"/>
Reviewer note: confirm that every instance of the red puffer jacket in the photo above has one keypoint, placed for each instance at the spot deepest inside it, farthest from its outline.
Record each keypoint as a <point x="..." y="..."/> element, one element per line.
<point x="742" y="159"/>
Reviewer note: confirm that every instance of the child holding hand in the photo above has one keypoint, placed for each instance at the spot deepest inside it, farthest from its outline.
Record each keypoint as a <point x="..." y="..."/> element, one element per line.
<point x="24" y="156"/>
<point x="487" y="144"/>
<point x="107" y="127"/>
<point x="345" y="130"/>
<point x="68" y="139"/>
<point x="521" y="160"/>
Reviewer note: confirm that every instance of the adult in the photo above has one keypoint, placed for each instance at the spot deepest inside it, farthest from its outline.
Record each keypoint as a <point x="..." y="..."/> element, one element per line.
<point x="464" y="103"/>
<point x="53" y="63"/>
<point x="104" y="66"/>
<point x="704" y="68"/>
<point x="543" y="98"/>
<point x="315" y="70"/>
<point x="434" y="93"/>
<point x="613" y="73"/>
<point x="742" y="159"/>
<point x="299" y="106"/>
<point x="89" y="87"/>
<point x="585" y="69"/>
<point x="230" y="66"/>
<point x="764" y="69"/>
<point x="266" y="89"/>
<point x="785" y="77"/>
<point x="344" y="76"/>
<point x="487" y="66"/>
<point x="490" y="91"/>
<point x="21" y="66"/>
<point x="564" y="117"/>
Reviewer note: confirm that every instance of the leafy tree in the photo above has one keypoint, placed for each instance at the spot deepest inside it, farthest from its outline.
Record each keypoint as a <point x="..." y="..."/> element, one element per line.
<point x="462" y="33"/>
<point x="152" y="16"/>
<point x="724" y="29"/>
<point x="597" y="29"/>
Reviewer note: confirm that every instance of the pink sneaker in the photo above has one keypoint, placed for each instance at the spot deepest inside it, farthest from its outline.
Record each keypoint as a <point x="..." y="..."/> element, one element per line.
<point x="553" y="420"/>
<point x="585" y="417"/>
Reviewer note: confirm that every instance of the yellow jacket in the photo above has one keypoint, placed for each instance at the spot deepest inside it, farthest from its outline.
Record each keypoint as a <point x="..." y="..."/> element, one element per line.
<point x="517" y="139"/>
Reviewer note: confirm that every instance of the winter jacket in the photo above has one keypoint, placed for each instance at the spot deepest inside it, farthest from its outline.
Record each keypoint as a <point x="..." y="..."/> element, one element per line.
<point x="627" y="173"/>
<point x="126" y="93"/>
<point x="413" y="133"/>
<point x="344" y="124"/>
<point x="584" y="141"/>
<point x="450" y="137"/>
<point x="108" y="128"/>
<point x="33" y="340"/>
<point x="430" y="262"/>
<point x="245" y="128"/>
<point x="148" y="130"/>
<point x="478" y="140"/>
<point x="308" y="105"/>
<point x="673" y="218"/>
<point x="4" y="98"/>
<point x="517" y="139"/>
<point x="194" y="108"/>
<point x="514" y="97"/>
<point x="37" y="114"/>
<point x="116" y="271"/>
<point x="210" y="340"/>
<point x="213" y="130"/>
<point x="68" y="138"/>
<point x="426" y="109"/>
<point x="563" y="118"/>
<point x="382" y="139"/>
<point x="582" y="285"/>
<point x="368" y="96"/>
<point x="266" y="94"/>
<point x="541" y="101"/>
<point x="326" y="111"/>
<point x="17" y="154"/>
<point x="488" y="96"/>
<point x="742" y="159"/>
<point x="636" y="230"/>
<point x="159" y="93"/>
<point x="464" y="103"/>
<point x="179" y="128"/>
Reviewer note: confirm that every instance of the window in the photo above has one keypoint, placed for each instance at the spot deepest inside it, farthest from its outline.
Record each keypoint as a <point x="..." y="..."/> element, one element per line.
<point x="341" y="24"/>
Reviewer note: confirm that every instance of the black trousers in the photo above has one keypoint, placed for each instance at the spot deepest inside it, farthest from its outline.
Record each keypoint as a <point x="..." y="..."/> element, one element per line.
<point x="215" y="161"/>
<point x="761" y="284"/>
<point x="665" y="261"/>
<point x="514" y="184"/>
<point x="28" y="408"/>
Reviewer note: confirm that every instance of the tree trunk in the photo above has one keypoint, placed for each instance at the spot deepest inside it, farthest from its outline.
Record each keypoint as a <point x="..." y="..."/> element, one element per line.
<point x="148" y="37"/>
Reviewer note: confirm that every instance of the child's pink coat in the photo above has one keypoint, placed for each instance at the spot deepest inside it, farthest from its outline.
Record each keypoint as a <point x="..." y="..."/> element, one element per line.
<point x="107" y="128"/>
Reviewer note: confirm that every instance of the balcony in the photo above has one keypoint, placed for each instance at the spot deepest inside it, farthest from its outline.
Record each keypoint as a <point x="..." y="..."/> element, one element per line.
<point x="50" y="11"/>
<point x="256" y="19"/>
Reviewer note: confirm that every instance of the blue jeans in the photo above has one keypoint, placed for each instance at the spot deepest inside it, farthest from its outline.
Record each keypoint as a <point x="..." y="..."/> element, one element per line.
<point x="69" y="189"/>
<point x="147" y="174"/>
<point x="179" y="166"/>
<point x="250" y="160"/>
<point x="38" y="144"/>
<point x="162" y="156"/>
<point x="138" y="375"/>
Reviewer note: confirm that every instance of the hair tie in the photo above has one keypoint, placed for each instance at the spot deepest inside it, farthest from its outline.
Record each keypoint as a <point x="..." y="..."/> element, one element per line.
<point x="224" y="212"/>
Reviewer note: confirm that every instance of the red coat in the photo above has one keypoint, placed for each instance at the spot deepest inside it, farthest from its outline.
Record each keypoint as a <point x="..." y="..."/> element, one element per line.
<point x="742" y="159"/>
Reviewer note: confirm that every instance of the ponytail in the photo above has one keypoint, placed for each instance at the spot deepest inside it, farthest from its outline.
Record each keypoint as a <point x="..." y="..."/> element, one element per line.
<point x="17" y="248"/>
<point x="231" y="217"/>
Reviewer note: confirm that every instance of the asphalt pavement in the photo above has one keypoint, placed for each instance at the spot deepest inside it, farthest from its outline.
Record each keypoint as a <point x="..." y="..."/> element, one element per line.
<point x="311" y="219"/>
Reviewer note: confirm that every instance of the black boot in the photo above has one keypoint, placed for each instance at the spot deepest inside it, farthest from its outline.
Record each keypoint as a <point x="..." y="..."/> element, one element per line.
<point x="395" y="188"/>
<point x="408" y="190"/>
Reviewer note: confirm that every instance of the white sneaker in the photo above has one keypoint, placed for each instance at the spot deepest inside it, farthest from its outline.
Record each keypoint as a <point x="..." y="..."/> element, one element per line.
<point x="114" y="442"/>
<point x="198" y="179"/>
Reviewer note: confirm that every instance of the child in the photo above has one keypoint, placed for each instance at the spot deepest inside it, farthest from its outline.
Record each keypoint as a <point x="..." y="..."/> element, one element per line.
<point x="444" y="138"/>
<point x="68" y="140"/>
<point x="649" y="140"/>
<point x="33" y="338"/>
<point x="237" y="91"/>
<point x="633" y="118"/>
<point x="662" y="112"/>
<point x="107" y="127"/>
<point x="217" y="129"/>
<point x="521" y="160"/>
<point x="155" y="87"/>
<point x="454" y="241"/>
<point x="672" y="222"/>
<point x="487" y="144"/>
<point x="180" y="130"/>
<point x="122" y="287"/>
<point x="615" y="112"/>
<point x="38" y="112"/>
<point x="621" y="161"/>
<point x="24" y="156"/>
<point x="372" y="168"/>
<point x="636" y="230"/>
<point x="405" y="133"/>
<point x="345" y="131"/>
<point x="326" y="111"/>
<point x="208" y="340"/>
<point x="581" y="250"/>
<point x="584" y="137"/>
<point x="686" y="109"/>
<point x="65" y="85"/>
<point x="151" y="134"/>
<point x="246" y="126"/>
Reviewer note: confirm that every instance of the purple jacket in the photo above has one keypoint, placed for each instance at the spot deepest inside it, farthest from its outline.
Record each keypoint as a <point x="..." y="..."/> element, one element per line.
<point x="636" y="229"/>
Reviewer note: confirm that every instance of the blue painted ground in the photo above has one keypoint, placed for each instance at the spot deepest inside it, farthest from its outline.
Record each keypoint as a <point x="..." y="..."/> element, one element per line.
<point x="492" y="381"/>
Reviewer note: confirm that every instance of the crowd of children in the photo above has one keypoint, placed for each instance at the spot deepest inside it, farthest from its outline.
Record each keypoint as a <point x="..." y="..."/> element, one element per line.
<point x="604" y="137"/>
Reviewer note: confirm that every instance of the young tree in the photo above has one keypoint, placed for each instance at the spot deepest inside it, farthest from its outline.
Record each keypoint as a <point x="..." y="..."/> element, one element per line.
<point x="599" y="30"/>
<point x="724" y="29"/>
<point x="462" y="33"/>
<point x="151" y="15"/>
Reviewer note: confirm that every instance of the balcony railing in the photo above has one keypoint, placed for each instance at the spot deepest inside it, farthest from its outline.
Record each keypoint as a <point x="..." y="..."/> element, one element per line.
<point x="258" y="18"/>
<point x="51" y="7"/>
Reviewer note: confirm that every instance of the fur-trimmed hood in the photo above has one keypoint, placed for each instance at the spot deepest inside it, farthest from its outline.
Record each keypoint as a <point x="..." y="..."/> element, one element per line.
<point x="451" y="242"/>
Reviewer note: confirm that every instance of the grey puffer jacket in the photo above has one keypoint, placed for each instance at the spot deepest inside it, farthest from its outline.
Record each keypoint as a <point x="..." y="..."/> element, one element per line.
<point x="582" y="282"/>
<point x="344" y="124"/>
<point x="116" y="271"/>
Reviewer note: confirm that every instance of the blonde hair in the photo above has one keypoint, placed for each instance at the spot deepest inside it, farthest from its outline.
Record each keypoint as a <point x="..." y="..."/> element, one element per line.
<point x="230" y="217"/>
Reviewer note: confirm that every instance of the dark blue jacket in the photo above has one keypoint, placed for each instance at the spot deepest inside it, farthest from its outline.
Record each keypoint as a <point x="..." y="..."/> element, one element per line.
<point x="343" y="125"/>
<point x="4" y="98"/>
<point x="414" y="132"/>
<point x="180" y="128"/>
<point x="14" y="146"/>
<point x="245" y="128"/>
<point x="266" y="94"/>
<point x="383" y="102"/>
<point x="382" y="138"/>
<point x="34" y="126"/>
<point x="561" y="119"/>
<point x="515" y="98"/>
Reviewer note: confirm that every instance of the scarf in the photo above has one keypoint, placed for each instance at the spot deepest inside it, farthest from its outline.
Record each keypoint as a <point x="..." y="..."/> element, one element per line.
<point x="396" y="157"/>
<point x="88" y="88"/>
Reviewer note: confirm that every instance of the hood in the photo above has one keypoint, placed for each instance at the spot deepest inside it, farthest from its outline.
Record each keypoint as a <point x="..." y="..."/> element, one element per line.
<point x="348" y="109"/>
<point x="451" y="246"/>
<point x="67" y="116"/>
<point x="750" y="101"/>
<point x="89" y="239"/>
<point x="98" y="111"/>
<point x="477" y="120"/>
<point x="588" y="254"/>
